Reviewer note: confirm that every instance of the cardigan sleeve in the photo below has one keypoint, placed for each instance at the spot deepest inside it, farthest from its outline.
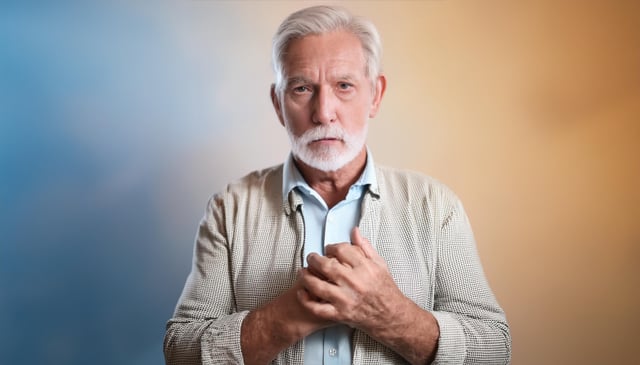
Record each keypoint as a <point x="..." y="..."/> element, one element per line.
<point x="473" y="327"/>
<point x="205" y="328"/>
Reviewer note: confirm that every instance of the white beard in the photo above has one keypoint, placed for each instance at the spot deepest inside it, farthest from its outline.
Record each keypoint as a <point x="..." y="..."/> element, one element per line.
<point x="327" y="158"/>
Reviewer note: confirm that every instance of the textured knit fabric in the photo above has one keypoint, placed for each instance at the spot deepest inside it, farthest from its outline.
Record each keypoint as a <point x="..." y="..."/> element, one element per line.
<point x="249" y="247"/>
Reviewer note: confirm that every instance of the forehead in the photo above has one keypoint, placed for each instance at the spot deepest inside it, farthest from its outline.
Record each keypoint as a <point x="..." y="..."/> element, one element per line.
<point x="338" y="51"/>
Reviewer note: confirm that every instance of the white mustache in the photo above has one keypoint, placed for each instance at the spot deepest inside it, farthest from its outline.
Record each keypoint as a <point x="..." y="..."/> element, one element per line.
<point x="323" y="132"/>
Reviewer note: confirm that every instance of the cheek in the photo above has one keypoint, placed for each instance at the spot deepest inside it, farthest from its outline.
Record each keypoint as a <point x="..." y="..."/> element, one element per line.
<point x="356" y="117"/>
<point x="296" y="120"/>
<point x="293" y="110"/>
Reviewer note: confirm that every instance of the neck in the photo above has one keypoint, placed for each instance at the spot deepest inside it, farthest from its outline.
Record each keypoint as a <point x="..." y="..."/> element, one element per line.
<point x="333" y="186"/>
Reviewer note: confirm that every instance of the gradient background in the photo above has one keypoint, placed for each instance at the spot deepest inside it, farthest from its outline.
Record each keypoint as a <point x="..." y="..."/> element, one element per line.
<point x="119" y="119"/>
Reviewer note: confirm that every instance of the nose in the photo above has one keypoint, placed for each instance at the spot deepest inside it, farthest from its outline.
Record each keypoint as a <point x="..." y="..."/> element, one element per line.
<point x="324" y="106"/>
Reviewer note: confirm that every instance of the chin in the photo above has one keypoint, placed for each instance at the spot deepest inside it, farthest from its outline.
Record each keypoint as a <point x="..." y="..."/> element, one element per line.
<point x="327" y="161"/>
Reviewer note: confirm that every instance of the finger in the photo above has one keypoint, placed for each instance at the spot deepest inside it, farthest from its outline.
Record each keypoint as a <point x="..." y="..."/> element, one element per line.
<point x="346" y="254"/>
<point x="318" y="289"/>
<point x="304" y="296"/>
<point x="320" y="309"/>
<point x="358" y="240"/>
<point x="310" y="267"/>
<point x="326" y="267"/>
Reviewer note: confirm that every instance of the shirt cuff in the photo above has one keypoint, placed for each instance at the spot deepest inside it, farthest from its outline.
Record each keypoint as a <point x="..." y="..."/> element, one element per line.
<point x="452" y="347"/>
<point x="221" y="342"/>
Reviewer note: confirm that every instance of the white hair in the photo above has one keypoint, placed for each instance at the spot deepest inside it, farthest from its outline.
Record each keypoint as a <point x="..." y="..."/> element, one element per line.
<point x="324" y="19"/>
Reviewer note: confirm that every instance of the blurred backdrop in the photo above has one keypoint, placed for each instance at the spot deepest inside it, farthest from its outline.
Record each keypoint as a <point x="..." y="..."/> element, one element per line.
<point x="119" y="119"/>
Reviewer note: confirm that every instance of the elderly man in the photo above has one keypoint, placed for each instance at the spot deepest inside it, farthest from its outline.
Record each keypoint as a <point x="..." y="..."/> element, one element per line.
<point x="329" y="258"/>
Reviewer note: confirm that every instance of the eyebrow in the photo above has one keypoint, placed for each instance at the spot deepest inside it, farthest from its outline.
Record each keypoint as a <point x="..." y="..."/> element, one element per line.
<point x="303" y="80"/>
<point x="347" y="77"/>
<point x="298" y="80"/>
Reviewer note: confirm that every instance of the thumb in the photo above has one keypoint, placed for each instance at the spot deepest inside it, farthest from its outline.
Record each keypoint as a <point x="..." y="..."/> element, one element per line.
<point x="358" y="240"/>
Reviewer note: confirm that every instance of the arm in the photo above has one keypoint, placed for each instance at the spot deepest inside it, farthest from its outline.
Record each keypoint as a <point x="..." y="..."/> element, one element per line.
<point x="473" y="327"/>
<point x="207" y="327"/>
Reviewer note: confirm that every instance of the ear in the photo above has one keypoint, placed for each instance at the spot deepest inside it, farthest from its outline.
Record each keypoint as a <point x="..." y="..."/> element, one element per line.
<point x="276" y="103"/>
<point x="381" y="86"/>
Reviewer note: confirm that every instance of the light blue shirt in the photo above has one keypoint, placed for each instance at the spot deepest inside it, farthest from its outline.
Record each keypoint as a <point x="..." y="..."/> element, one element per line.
<point x="324" y="226"/>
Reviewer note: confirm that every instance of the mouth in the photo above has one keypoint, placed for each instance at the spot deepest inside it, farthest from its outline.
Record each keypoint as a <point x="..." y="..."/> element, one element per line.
<point x="327" y="139"/>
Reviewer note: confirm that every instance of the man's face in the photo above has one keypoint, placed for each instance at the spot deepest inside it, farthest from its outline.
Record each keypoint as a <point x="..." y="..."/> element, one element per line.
<point x="327" y="99"/>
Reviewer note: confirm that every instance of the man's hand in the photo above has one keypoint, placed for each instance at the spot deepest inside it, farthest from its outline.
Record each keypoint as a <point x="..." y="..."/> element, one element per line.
<point x="351" y="284"/>
<point x="275" y="326"/>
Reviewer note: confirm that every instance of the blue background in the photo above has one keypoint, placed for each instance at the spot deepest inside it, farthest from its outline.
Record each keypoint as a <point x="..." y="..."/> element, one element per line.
<point x="102" y="109"/>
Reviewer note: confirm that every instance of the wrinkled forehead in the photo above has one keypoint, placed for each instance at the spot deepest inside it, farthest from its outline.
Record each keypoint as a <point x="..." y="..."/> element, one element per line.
<point x="336" y="52"/>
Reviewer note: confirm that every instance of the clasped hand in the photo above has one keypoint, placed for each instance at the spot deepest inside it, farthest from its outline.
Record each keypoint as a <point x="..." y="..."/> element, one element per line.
<point x="350" y="284"/>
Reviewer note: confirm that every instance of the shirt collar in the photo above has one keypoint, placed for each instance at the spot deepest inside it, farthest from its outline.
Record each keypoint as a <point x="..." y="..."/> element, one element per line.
<point x="292" y="178"/>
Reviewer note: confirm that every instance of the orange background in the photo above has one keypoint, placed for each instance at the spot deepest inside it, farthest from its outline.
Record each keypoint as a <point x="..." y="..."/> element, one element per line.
<point x="530" y="111"/>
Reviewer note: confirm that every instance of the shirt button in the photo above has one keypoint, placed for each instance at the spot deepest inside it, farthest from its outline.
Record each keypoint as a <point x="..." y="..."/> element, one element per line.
<point x="333" y="352"/>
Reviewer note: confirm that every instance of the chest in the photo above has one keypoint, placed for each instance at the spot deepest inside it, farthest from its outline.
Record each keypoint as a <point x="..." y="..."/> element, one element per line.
<point x="267" y="254"/>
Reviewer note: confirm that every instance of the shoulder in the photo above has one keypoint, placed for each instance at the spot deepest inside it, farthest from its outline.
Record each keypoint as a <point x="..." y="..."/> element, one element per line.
<point x="417" y="194"/>
<point x="257" y="179"/>
<point x="393" y="181"/>
<point x="260" y="186"/>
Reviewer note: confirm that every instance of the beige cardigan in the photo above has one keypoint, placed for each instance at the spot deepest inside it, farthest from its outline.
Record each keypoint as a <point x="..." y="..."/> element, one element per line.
<point x="249" y="248"/>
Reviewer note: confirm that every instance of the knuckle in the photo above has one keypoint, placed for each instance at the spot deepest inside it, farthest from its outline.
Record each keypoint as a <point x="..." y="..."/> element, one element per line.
<point x="342" y="248"/>
<point x="329" y="265"/>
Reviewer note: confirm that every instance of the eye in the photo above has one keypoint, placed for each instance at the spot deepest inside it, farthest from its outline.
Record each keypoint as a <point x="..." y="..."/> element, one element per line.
<point x="301" y="89"/>
<point x="344" y="86"/>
